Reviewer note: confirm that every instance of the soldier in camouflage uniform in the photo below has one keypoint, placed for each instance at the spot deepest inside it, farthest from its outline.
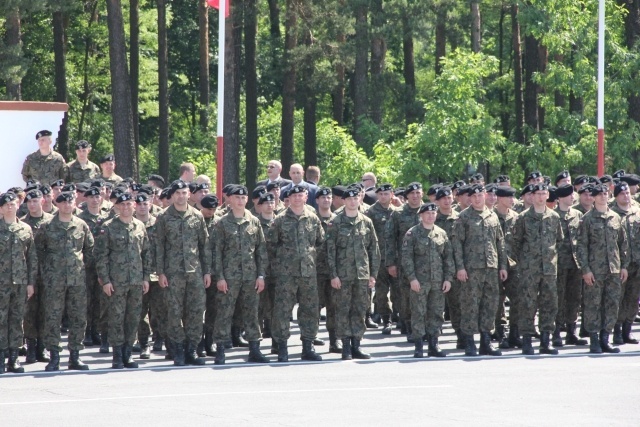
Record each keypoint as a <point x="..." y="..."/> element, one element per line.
<point x="427" y="260"/>
<point x="66" y="243"/>
<point x="19" y="266"/>
<point x="44" y="165"/>
<point x="183" y="258"/>
<point x="208" y="206"/>
<point x="274" y="188"/>
<point x="295" y="235"/>
<point x="239" y="269"/>
<point x="536" y="235"/>
<point x="481" y="262"/>
<point x="353" y="257"/>
<point x="602" y="256"/>
<point x="108" y="166"/>
<point x="82" y="169"/>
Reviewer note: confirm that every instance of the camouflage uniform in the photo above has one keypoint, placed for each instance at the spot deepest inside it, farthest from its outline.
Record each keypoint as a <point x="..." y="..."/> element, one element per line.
<point x="183" y="255"/>
<point x="386" y="285"/>
<point x="78" y="173"/>
<point x="323" y="278"/>
<point x="66" y="247"/>
<point x="534" y="243"/>
<point x="123" y="258"/>
<point x="211" y="291"/>
<point x="569" y="279"/>
<point x="240" y="257"/>
<point x="114" y="179"/>
<point x="427" y="257"/>
<point x="510" y="287"/>
<point x="265" y="309"/>
<point x="452" y="298"/>
<point x="19" y="266"/>
<point x="353" y="257"/>
<point x="602" y="250"/>
<point x="44" y="168"/>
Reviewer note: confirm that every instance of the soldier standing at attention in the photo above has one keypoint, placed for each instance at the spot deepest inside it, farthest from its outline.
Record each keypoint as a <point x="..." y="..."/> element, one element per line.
<point x="602" y="256"/>
<point x="208" y="206"/>
<point x="481" y="262"/>
<point x="239" y="269"/>
<point x="66" y="243"/>
<point x="82" y="169"/>
<point x="295" y="234"/>
<point x="354" y="259"/>
<point x="183" y="259"/>
<point x="427" y="260"/>
<point x="108" y="166"/>
<point x="19" y="265"/>
<point x="44" y="165"/>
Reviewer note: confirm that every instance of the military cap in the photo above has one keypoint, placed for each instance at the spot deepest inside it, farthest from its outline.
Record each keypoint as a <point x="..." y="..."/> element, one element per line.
<point x="619" y="173"/>
<point x="357" y="185"/>
<point x="398" y="191"/>
<point x="156" y="178"/>
<point x="564" y="191"/>
<point x="7" y="197"/>
<point x="124" y="197"/>
<point x="238" y="190"/>
<point x="93" y="191"/>
<point x="463" y="190"/>
<point x="475" y="189"/>
<point x="30" y="187"/>
<point x="384" y="187"/>
<point x="477" y="177"/>
<point x="458" y="184"/>
<point x="552" y="194"/>
<point x="323" y="191"/>
<point x="178" y="184"/>
<point x="285" y="194"/>
<point x="32" y="182"/>
<point x="135" y="187"/>
<point x="338" y="190"/>
<point x="631" y="179"/>
<point x="201" y="186"/>
<point x="146" y="189"/>
<point x="97" y="183"/>
<point x="546" y="179"/>
<point x="433" y="189"/>
<point x="116" y="193"/>
<point x="539" y="187"/>
<point x="351" y="192"/>
<point x="297" y="189"/>
<point x="428" y="207"/>
<point x="65" y="196"/>
<point x="594" y="180"/>
<point x="109" y="185"/>
<point x="46" y="189"/>
<point x="108" y="158"/>
<point x="504" y="191"/>
<point x="267" y="197"/>
<point x="142" y="197"/>
<point x="562" y="175"/>
<point x="82" y="144"/>
<point x="210" y="201"/>
<point x="192" y="187"/>
<point x="585" y="189"/>
<point x="33" y="194"/>
<point x="501" y="178"/>
<point x="43" y="133"/>
<point x="598" y="189"/>
<point x="69" y="187"/>
<point x="412" y="187"/>
<point x="581" y="179"/>
<point x="273" y="184"/>
<point x="534" y="175"/>
<point x="491" y="188"/>
<point x="619" y="188"/>
<point x="57" y="183"/>
<point x="604" y="179"/>
<point x="226" y="188"/>
<point x="165" y="193"/>
<point x="527" y="189"/>
<point x="443" y="192"/>
<point x="258" y="191"/>
<point x="82" y="187"/>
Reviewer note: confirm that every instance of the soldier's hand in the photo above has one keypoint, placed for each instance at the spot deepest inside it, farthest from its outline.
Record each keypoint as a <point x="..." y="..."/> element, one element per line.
<point x="162" y="281"/>
<point x="462" y="275"/>
<point x="589" y="279"/>
<point x="107" y="288"/>
<point x="259" y="285"/>
<point x="624" y="275"/>
<point x="207" y="280"/>
<point x="145" y="287"/>
<point x="446" y="286"/>
<point x="392" y="270"/>
<point x="415" y="285"/>
<point x="336" y="283"/>
<point x="372" y="282"/>
<point x="30" y="291"/>
<point x="503" y="275"/>
<point x="222" y="286"/>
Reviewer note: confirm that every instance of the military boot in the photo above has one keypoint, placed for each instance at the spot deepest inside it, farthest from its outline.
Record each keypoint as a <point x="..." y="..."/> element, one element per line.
<point x="346" y="349"/>
<point x="75" y="364"/>
<point x="178" y="353"/>
<point x="486" y="348"/>
<point x="220" y="356"/>
<point x="557" y="339"/>
<point x="200" y="350"/>
<point x="191" y="357"/>
<point x="514" y="337"/>
<point x="617" y="334"/>
<point x="54" y="362"/>
<point x="117" y="362"/>
<point x="604" y="343"/>
<point x="470" y="348"/>
<point x="157" y="344"/>
<point x="14" y="364"/>
<point x="127" y="360"/>
<point x="283" y="352"/>
<point x="170" y="352"/>
<point x="31" y="351"/>
<point x="386" y="324"/>
<point x="236" y="338"/>
<point x="583" y="332"/>
<point x="409" y="332"/>
<point x="594" y="346"/>
<point x="266" y="331"/>
<point x="527" y="346"/>
<point x="369" y="323"/>
<point x="41" y="352"/>
<point x="274" y="346"/>
<point x="571" y="337"/>
<point x="208" y="344"/>
<point x="318" y="341"/>
<point x="308" y="352"/>
<point x="545" y="343"/>
<point x="461" y="341"/>
<point x="104" y="343"/>
<point x="95" y="336"/>
<point x="136" y="347"/>
<point x="88" y="339"/>
<point x="2" y="366"/>
<point x="434" y="348"/>
<point x="255" y="355"/>
<point x="356" y="352"/>
<point x="145" y="351"/>
<point x="627" y="336"/>
<point x="418" y="351"/>
<point x="402" y="326"/>
<point x="503" y="342"/>
<point x="335" y="346"/>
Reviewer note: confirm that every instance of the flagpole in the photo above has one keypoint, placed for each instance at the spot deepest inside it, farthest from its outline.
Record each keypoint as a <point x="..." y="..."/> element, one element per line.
<point x="220" y="133"/>
<point x="601" y="27"/>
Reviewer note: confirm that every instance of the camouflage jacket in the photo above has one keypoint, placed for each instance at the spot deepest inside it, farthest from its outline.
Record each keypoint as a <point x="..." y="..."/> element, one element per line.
<point x="380" y="216"/>
<point x="631" y="221"/>
<point x="478" y="241"/>
<point x="77" y="173"/>
<point x="399" y="223"/>
<point x="266" y="227"/>
<point x="506" y="224"/>
<point x="602" y="243"/>
<point x="114" y="179"/>
<point x="95" y="224"/>
<point x="240" y="248"/>
<point x="34" y="223"/>
<point x="535" y="240"/>
<point x="18" y="257"/>
<point x="352" y="248"/>
<point x="570" y="222"/>
<point x="446" y="222"/>
<point x="44" y="168"/>
<point x="427" y="255"/>
<point x="150" y="225"/>
<point x="183" y="245"/>
<point x="122" y="253"/>
<point x="322" y="265"/>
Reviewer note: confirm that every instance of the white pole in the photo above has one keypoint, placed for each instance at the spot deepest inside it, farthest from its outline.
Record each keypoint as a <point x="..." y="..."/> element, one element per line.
<point x="601" y="28"/>
<point x="220" y="133"/>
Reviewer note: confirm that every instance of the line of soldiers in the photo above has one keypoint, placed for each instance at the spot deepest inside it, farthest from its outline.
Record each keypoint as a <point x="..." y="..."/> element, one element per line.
<point x="106" y="258"/>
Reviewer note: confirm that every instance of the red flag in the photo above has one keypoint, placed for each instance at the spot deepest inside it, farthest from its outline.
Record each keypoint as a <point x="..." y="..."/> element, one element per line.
<point x="216" y="5"/>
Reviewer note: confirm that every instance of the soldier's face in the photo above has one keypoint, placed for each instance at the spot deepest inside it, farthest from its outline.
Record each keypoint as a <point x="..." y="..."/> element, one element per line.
<point x="276" y="192"/>
<point x="268" y="207"/>
<point x="200" y="194"/>
<point x="564" y="181"/>
<point x="180" y="197"/>
<point x="445" y="202"/>
<point x="477" y="200"/>
<point x="35" y="205"/>
<point x="601" y="200"/>
<point x="127" y="208"/>
<point x="324" y="202"/>
<point x="94" y="202"/>
<point x="83" y="153"/>
<point x="624" y="198"/>
<point x="528" y="199"/>
<point x="66" y="208"/>
<point x="586" y="199"/>
<point x="238" y="201"/>
<point x="428" y="218"/>
<point x="44" y="143"/>
<point x="143" y="208"/>
<point x="384" y="197"/>
<point x="505" y="202"/>
<point x="9" y="208"/>
<point x="297" y="200"/>
<point x="414" y="198"/>
<point x="540" y="198"/>
<point x="208" y="212"/>
<point x="352" y="203"/>
<point x="108" y="167"/>
<point x="490" y="199"/>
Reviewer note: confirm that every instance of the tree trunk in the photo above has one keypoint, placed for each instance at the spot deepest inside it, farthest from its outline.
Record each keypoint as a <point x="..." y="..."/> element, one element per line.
<point x="13" y="40"/>
<point x="543" y="60"/>
<point x="123" y="140"/>
<point x="360" y="104"/>
<point x="378" y="55"/>
<point x="337" y="96"/>
<point x="231" y="173"/>
<point x="409" y="70"/>
<point x="441" y="37"/>
<point x="89" y="50"/>
<point x="61" y="78"/>
<point x="517" y="75"/>
<point x="310" y="102"/>
<point x="289" y="86"/>
<point x="476" y="26"/>
<point x="163" y="90"/>
<point x="531" y="57"/>
<point x="203" y="51"/>
<point x="504" y="98"/>
<point x="134" y="61"/>
<point x="251" y="92"/>
<point x="632" y="32"/>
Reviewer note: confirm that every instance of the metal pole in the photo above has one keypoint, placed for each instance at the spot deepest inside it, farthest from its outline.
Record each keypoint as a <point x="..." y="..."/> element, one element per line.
<point x="601" y="27"/>
<point x="220" y="132"/>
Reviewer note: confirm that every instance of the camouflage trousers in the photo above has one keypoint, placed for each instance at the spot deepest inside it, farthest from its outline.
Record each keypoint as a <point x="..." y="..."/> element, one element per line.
<point x="569" y="295"/>
<point x="350" y="302"/>
<point x="601" y="302"/>
<point x="210" y="311"/>
<point x="265" y="307"/>
<point x="125" y="305"/>
<point x="384" y="285"/>
<point x="95" y="300"/>
<point x="452" y="299"/>
<point x="479" y="296"/>
<point x="240" y="292"/>
<point x="538" y="293"/>
<point x="185" y="307"/>
<point x="509" y="289"/>
<point x="57" y="298"/>
<point x="629" y="296"/>
<point x="153" y="314"/>
<point x="288" y="290"/>
<point x="326" y="300"/>
<point x="12" y="303"/>
<point x="34" y="313"/>
<point x="405" y="291"/>
<point x="427" y="309"/>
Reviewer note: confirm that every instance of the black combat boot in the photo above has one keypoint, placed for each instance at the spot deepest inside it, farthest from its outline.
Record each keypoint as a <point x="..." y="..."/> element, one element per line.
<point x="356" y="352"/>
<point x="145" y="351"/>
<point x="169" y="345"/>
<point x="418" y="352"/>
<point x="594" y="346"/>
<point x="54" y="361"/>
<point x="95" y="336"/>
<point x="208" y="344"/>
<point x="127" y="360"/>
<point x="604" y="343"/>
<point x="255" y="355"/>
<point x="557" y="339"/>
<point x="527" y="346"/>
<point x="75" y="364"/>
<point x="200" y="349"/>
<point x="617" y="334"/>
<point x="572" y="338"/>
<point x="545" y="343"/>
<point x="220" y="357"/>
<point x="402" y="326"/>
<point x="266" y="331"/>
<point x="41" y="352"/>
<point x="236" y="338"/>
<point x="627" y="336"/>
<point x="191" y="357"/>
<point x="514" y="337"/>
<point x="178" y="353"/>
<point x="470" y="348"/>
<point x="14" y="364"/>
<point x="369" y="323"/>
<point x="486" y="348"/>
<point x="503" y="342"/>
<point x="386" y="324"/>
<point x="583" y="332"/>
<point x="409" y="332"/>
<point x="308" y="352"/>
<point x="434" y="348"/>
<point x="117" y="362"/>
<point x="104" y="343"/>
<point x="88" y="339"/>
<point x="335" y="346"/>
<point x="157" y="344"/>
<point x="274" y="346"/>
<point x="346" y="349"/>
<point x="283" y="351"/>
<point x="31" y="351"/>
<point x="461" y="341"/>
<point x="318" y="341"/>
<point x="2" y="366"/>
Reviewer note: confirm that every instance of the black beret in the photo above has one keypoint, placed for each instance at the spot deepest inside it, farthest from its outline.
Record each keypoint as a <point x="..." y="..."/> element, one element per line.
<point x="285" y="194"/>
<point x="7" y="197"/>
<point x="501" y="178"/>
<point x="384" y="187"/>
<point x="46" y="189"/>
<point x="443" y="192"/>
<point x="357" y="185"/>
<point x="98" y="183"/>
<point x="82" y="144"/>
<point x="598" y="189"/>
<point x="142" y="197"/>
<point x="165" y="193"/>
<point x="475" y="189"/>
<point x="564" y="191"/>
<point x="43" y="133"/>
<point x="202" y="186"/>
<point x="433" y="189"/>
<point x="619" y="173"/>
<point x="124" y="197"/>
<point x="605" y="179"/>
<point x="504" y="191"/>
<point x="527" y="189"/>
<point x="30" y="187"/>
<point x="594" y="180"/>
<point x="266" y="197"/>
<point x="562" y="175"/>
<point x="65" y="196"/>
<point x="238" y="190"/>
<point x="15" y="190"/>
<point x="93" y="191"/>
<point x="412" y="187"/>
<point x="69" y="187"/>
<point x="585" y="189"/>
<point x="192" y="187"/>
<point x="57" y="183"/>
<point x="463" y="190"/>
<point x="351" y="192"/>
<point x="108" y="158"/>
<point x="297" y="189"/>
<point x="210" y="201"/>
<point x="33" y="194"/>
<point x="491" y="188"/>
<point x="109" y="185"/>
<point x="581" y="179"/>
<point x="534" y="175"/>
<point x="156" y="178"/>
<point x="398" y="191"/>
<point x="540" y="187"/>
<point x="338" y="190"/>
<point x="226" y="188"/>
<point x="458" y="184"/>
<point x="82" y="186"/>
<point x="145" y="189"/>
<point x="136" y="187"/>
<point x="323" y="191"/>
<point x="178" y="184"/>
<point x="619" y="188"/>
<point x="32" y="182"/>
<point x="546" y="179"/>
<point x="273" y="184"/>
<point x="116" y="193"/>
<point x="631" y="179"/>
<point x="258" y="191"/>
<point x="428" y="207"/>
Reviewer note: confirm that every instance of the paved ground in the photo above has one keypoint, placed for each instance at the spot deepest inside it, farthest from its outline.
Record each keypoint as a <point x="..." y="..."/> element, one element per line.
<point x="392" y="388"/>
